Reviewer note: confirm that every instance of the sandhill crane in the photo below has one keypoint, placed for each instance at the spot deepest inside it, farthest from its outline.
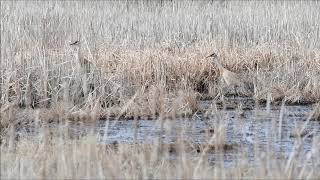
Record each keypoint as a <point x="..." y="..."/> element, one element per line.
<point x="86" y="68"/>
<point x="241" y="85"/>
<point x="84" y="62"/>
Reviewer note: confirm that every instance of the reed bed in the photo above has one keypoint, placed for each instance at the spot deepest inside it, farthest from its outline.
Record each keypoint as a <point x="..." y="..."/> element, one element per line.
<point x="147" y="60"/>
<point x="141" y="47"/>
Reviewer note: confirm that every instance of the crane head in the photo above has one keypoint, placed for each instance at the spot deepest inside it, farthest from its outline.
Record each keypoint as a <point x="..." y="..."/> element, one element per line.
<point x="213" y="55"/>
<point x="75" y="43"/>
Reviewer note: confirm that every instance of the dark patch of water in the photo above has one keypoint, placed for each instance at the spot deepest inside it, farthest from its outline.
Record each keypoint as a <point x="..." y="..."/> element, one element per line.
<point x="246" y="129"/>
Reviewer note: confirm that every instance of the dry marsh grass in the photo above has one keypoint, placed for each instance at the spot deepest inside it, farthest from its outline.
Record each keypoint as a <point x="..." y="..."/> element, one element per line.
<point x="148" y="59"/>
<point x="142" y="48"/>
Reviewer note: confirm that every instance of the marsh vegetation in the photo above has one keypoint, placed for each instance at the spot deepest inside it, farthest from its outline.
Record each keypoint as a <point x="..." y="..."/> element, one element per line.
<point x="146" y="60"/>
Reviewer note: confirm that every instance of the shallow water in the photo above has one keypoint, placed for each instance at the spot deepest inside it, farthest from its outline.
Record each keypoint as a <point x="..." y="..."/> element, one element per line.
<point x="245" y="128"/>
<point x="241" y="127"/>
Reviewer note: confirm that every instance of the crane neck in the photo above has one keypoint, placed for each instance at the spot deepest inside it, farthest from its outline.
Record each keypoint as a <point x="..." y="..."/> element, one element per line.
<point x="218" y="64"/>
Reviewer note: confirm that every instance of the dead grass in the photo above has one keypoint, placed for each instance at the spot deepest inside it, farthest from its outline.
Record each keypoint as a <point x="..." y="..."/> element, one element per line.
<point x="40" y="69"/>
<point x="147" y="60"/>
